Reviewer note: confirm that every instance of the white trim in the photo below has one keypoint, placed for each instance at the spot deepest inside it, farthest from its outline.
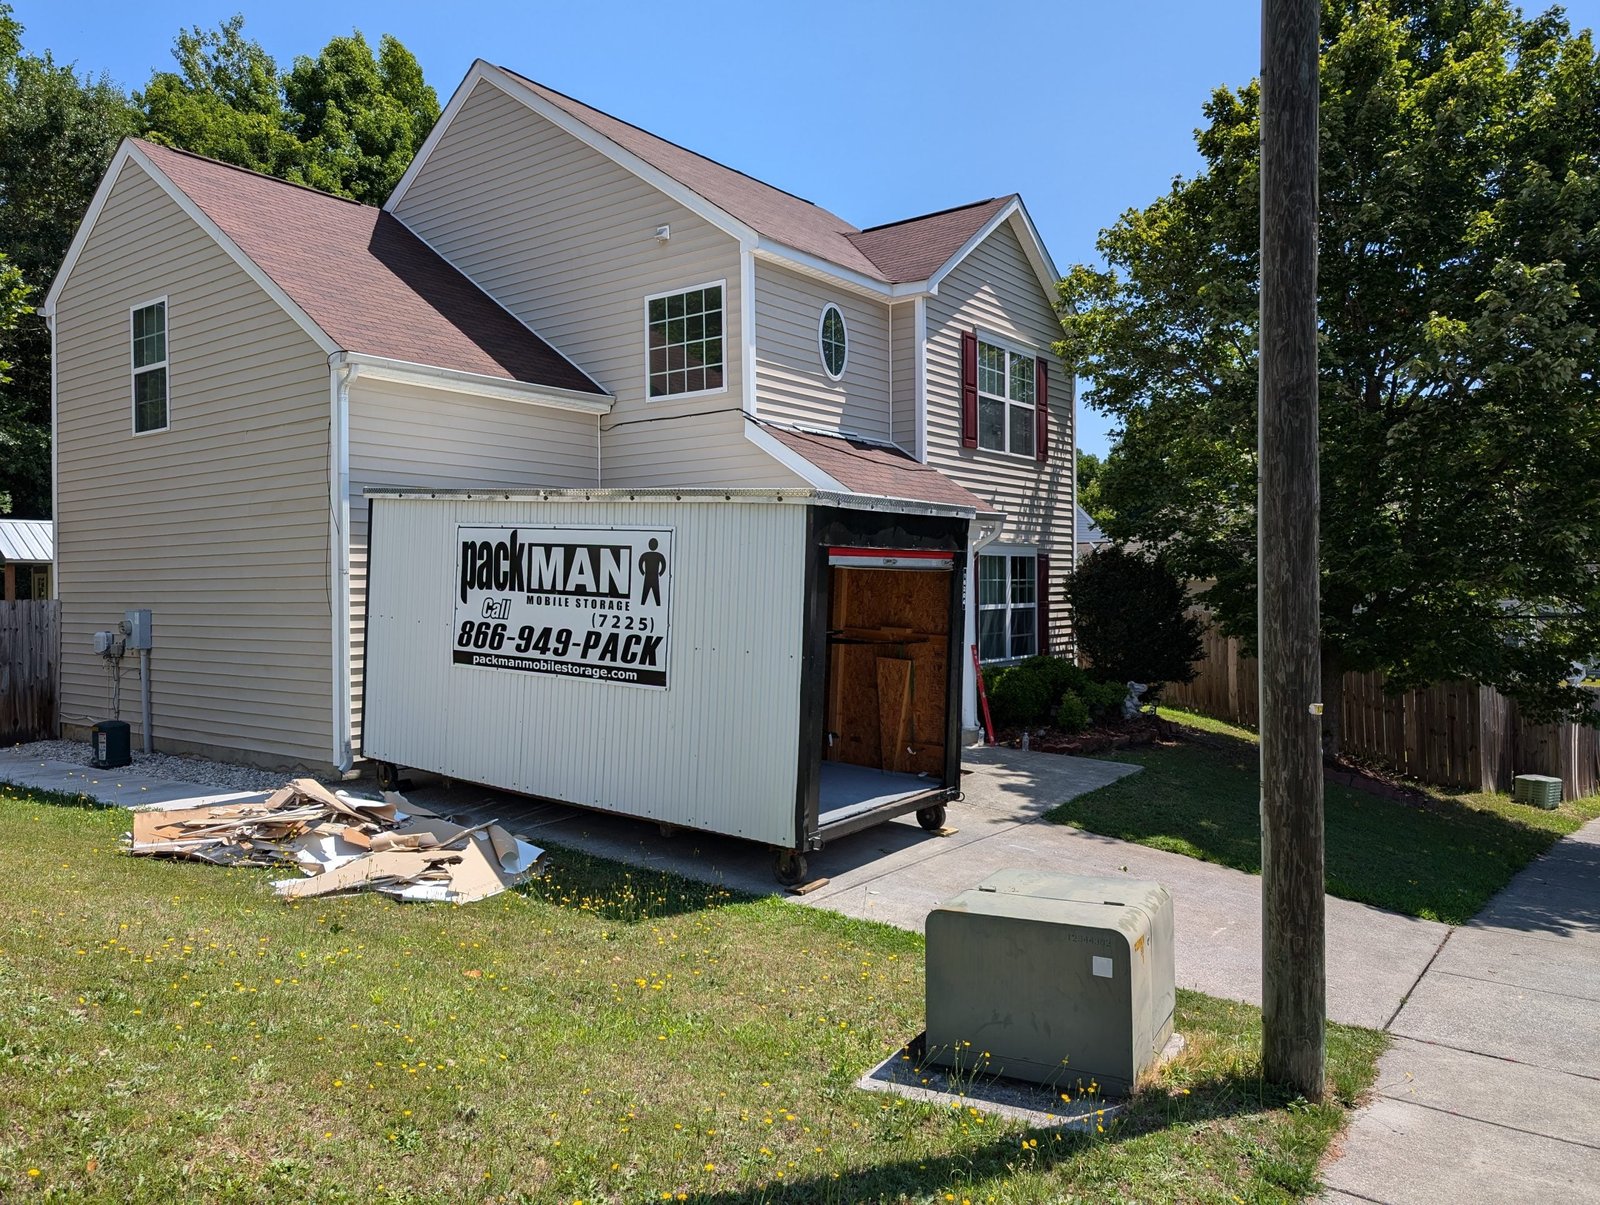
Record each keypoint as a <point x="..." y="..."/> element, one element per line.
<point x="844" y="365"/>
<point x="678" y="292"/>
<point x="55" y="467"/>
<point x="165" y="365"/>
<point x="920" y="362"/>
<point x="747" y="333"/>
<point x="130" y="150"/>
<point x="804" y="262"/>
<point x="583" y="132"/>
<point x="792" y="460"/>
<point x="450" y="380"/>
<point x="339" y="377"/>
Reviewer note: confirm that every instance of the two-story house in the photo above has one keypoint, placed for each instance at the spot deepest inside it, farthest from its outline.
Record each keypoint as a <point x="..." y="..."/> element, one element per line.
<point x="551" y="297"/>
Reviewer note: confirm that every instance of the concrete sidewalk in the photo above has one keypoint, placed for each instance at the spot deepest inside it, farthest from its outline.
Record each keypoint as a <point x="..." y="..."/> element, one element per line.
<point x="1491" y="1091"/>
<point x="896" y="872"/>
<point x="127" y="787"/>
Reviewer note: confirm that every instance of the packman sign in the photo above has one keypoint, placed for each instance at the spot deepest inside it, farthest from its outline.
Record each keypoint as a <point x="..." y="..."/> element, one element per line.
<point x="584" y="602"/>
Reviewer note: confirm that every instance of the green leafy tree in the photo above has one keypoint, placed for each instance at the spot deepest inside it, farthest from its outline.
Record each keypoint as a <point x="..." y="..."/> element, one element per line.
<point x="1460" y="297"/>
<point x="1090" y="495"/>
<point x="359" y="118"/>
<point x="57" y="130"/>
<point x="1130" y="614"/>
<point x="225" y="101"/>
<point x="16" y="433"/>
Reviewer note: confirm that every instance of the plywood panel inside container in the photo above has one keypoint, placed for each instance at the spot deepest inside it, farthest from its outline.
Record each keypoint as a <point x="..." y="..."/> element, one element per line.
<point x="888" y="668"/>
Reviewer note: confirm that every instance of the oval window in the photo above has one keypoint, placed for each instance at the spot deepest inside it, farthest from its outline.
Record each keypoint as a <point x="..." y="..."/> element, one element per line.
<point x="831" y="335"/>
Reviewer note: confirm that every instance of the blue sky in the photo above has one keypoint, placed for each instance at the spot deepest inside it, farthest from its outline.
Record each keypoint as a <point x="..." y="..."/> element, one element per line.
<point x="877" y="111"/>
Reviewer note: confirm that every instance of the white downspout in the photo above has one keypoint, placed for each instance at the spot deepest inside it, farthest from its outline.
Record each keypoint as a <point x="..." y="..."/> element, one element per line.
<point x="339" y="378"/>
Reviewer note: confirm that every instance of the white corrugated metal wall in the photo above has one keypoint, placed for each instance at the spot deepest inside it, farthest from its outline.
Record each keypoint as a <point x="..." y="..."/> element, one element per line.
<point x="717" y="750"/>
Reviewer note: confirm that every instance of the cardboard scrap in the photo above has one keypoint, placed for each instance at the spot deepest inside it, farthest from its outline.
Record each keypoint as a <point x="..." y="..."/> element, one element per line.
<point x="343" y="843"/>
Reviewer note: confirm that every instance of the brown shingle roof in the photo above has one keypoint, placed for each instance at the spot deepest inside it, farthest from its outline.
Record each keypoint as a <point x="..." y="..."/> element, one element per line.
<point x="891" y="254"/>
<point x="368" y="282"/>
<point x="916" y="248"/>
<point x="872" y="468"/>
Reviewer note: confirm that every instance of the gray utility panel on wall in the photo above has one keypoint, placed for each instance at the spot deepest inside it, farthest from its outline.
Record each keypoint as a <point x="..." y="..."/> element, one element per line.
<point x="1058" y="979"/>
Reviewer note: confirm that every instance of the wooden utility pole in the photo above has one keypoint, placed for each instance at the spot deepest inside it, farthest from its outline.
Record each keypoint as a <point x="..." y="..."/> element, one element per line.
<point x="1293" y="971"/>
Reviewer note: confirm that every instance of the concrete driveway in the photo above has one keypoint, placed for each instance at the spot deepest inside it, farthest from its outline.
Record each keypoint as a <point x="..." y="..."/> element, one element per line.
<point x="896" y="873"/>
<point x="1491" y="1091"/>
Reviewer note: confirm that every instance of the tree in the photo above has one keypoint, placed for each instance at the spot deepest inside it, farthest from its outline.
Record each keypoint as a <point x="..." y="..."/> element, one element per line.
<point x="16" y="431"/>
<point x="360" y="119"/>
<point x="1130" y="615"/>
<point x="57" y="129"/>
<point x="1460" y="297"/>
<point x="1090" y="496"/>
<point x="225" y="101"/>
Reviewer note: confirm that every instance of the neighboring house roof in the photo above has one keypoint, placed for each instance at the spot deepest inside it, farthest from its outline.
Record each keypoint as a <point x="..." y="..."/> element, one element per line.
<point x="1088" y="531"/>
<point x="916" y="248"/>
<point x="27" y="540"/>
<point x="864" y="467"/>
<point x="359" y="275"/>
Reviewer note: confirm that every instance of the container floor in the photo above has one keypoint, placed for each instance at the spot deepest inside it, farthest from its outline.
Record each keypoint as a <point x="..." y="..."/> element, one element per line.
<point x="850" y="790"/>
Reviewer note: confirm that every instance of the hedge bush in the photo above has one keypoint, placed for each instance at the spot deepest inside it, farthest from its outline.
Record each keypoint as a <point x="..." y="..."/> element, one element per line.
<point x="1033" y="692"/>
<point x="1073" y="713"/>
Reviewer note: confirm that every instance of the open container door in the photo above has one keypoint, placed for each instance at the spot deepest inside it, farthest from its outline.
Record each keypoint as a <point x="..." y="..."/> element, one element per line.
<point x="881" y="707"/>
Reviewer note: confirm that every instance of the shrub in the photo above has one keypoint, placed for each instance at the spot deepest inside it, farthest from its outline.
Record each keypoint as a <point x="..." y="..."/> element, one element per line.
<point x="1131" y="618"/>
<point x="1105" y="699"/>
<point x="1017" y="698"/>
<point x="1073" y="713"/>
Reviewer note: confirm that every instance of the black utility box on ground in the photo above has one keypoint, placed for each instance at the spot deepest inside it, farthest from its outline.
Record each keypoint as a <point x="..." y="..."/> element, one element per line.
<point x="111" y="744"/>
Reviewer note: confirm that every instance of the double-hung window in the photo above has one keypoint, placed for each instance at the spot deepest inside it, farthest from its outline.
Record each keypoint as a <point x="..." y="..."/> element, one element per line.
<point x="149" y="332"/>
<point x="1008" y="602"/>
<point x="685" y="342"/>
<point x="1006" y="420"/>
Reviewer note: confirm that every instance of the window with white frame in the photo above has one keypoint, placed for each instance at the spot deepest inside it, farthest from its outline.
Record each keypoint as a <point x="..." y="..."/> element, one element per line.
<point x="833" y="341"/>
<point x="685" y="339"/>
<point x="149" y="333"/>
<point x="1005" y="399"/>
<point x="1008" y="603"/>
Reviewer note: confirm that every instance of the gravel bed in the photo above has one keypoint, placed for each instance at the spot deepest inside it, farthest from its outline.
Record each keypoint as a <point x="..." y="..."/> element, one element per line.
<point x="223" y="776"/>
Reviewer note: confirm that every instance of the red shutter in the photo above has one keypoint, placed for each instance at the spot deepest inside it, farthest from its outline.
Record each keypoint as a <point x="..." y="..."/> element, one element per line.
<point x="1041" y="416"/>
<point x="1041" y="591"/>
<point x="969" y="389"/>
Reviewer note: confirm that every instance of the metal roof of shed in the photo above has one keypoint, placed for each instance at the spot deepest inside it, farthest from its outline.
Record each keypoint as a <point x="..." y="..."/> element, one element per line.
<point x="32" y="540"/>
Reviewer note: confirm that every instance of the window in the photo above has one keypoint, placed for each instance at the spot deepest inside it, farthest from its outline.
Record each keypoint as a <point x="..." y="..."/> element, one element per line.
<point x="686" y="342"/>
<point x="1008" y="603"/>
<point x="832" y="339"/>
<point x="1005" y="400"/>
<point x="149" y="325"/>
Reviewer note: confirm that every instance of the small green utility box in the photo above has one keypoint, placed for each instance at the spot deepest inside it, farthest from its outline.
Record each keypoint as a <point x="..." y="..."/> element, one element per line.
<point x="1536" y="790"/>
<point x="1058" y="979"/>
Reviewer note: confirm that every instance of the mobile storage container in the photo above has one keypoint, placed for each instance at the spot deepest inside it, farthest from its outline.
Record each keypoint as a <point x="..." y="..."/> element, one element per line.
<point x="782" y="666"/>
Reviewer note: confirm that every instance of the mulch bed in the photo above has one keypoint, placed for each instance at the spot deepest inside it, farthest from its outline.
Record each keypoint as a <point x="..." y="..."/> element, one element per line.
<point x="1142" y="729"/>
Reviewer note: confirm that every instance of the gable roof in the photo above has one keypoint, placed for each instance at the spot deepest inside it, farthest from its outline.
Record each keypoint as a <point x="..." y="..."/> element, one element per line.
<point x="27" y="540"/>
<point x="916" y="248"/>
<point x="875" y="469"/>
<point x="900" y="258"/>
<point x="363" y="279"/>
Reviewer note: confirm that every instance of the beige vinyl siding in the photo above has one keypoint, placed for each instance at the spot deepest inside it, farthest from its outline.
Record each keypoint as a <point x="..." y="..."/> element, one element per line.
<point x="791" y="384"/>
<point x="708" y="450"/>
<point x="995" y="290"/>
<point x="903" y="374"/>
<point x="405" y="437"/>
<point x="565" y="239"/>
<point x="219" y="525"/>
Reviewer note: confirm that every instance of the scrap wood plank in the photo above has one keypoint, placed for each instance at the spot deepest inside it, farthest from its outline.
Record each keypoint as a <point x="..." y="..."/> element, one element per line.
<point x="894" y="710"/>
<point x="363" y="871"/>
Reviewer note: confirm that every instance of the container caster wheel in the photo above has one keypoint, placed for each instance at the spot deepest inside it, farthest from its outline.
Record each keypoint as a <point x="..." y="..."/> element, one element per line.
<point x="388" y="776"/>
<point x="932" y="818"/>
<point x="790" y="867"/>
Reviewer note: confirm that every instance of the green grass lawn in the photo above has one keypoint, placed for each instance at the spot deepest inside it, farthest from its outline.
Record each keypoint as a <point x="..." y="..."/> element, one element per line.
<point x="171" y="1031"/>
<point x="1441" y="860"/>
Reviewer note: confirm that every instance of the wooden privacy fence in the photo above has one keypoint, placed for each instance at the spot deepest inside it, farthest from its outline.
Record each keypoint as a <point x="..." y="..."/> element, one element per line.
<point x="30" y="660"/>
<point x="1451" y="735"/>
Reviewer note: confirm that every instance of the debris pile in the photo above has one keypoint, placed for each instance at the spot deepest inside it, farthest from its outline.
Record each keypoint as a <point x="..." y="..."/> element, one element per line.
<point x="342" y="843"/>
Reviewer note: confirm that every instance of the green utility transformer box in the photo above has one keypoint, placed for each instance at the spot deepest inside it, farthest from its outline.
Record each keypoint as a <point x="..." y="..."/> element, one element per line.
<point x="1054" y="978"/>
